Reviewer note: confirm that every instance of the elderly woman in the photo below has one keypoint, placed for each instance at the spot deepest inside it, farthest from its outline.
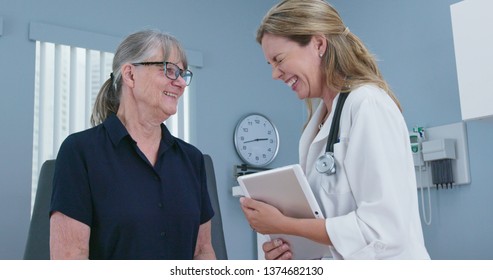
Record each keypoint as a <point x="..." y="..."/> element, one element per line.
<point x="126" y="188"/>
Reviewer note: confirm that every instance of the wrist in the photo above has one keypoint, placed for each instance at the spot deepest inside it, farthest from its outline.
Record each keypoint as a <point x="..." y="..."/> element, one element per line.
<point x="288" y="225"/>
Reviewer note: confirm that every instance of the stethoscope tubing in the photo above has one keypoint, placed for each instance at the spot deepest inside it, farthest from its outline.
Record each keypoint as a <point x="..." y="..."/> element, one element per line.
<point x="326" y="162"/>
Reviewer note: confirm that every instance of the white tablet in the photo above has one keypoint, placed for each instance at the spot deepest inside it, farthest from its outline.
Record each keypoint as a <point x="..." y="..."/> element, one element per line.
<point x="287" y="189"/>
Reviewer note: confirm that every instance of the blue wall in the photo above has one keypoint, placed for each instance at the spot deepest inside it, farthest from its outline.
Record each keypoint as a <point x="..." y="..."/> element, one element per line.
<point x="413" y="40"/>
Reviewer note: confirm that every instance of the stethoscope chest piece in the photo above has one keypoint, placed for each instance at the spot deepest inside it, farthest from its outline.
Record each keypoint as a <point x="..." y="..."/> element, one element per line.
<point x="326" y="164"/>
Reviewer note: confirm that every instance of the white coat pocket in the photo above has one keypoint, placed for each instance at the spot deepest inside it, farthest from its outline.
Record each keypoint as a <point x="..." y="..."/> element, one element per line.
<point x="338" y="198"/>
<point x="337" y="183"/>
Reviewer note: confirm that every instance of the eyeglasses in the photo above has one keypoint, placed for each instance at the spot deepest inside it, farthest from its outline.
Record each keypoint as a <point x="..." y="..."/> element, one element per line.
<point x="171" y="70"/>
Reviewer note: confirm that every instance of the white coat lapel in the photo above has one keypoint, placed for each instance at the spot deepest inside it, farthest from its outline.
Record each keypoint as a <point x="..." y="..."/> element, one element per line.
<point x="313" y="141"/>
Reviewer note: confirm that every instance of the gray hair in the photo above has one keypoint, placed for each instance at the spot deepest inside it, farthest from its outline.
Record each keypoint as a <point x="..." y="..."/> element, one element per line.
<point x="136" y="47"/>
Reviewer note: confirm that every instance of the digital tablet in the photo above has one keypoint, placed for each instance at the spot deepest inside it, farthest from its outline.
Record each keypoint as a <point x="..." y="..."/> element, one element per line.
<point x="287" y="189"/>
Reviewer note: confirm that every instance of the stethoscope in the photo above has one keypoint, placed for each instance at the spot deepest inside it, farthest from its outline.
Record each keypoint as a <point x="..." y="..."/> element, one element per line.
<point x="326" y="163"/>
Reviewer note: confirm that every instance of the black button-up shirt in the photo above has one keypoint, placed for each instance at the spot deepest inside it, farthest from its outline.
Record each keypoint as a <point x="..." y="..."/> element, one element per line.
<point x="135" y="210"/>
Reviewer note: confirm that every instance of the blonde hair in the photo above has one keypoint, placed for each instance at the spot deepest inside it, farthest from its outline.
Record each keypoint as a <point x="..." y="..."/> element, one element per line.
<point x="347" y="63"/>
<point x="136" y="47"/>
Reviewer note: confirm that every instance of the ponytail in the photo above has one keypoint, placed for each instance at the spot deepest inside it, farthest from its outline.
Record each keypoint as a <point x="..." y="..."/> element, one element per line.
<point x="107" y="102"/>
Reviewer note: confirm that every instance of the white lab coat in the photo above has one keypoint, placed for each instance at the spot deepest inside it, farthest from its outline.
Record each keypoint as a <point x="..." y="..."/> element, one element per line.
<point x="371" y="203"/>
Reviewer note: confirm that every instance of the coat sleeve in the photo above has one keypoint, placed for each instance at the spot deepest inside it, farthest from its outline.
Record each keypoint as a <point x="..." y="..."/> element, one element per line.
<point x="380" y="177"/>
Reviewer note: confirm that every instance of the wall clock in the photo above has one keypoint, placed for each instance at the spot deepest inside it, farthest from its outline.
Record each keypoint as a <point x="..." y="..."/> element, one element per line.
<point x="256" y="140"/>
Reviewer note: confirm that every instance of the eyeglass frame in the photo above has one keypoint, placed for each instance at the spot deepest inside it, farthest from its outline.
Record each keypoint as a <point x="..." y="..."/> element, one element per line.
<point x="180" y="73"/>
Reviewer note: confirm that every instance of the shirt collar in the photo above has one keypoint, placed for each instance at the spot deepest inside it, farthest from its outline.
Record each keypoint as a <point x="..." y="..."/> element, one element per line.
<point x="117" y="131"/>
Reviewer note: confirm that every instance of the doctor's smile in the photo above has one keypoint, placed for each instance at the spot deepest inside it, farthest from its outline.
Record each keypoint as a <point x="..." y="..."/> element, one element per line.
<point x="291" y="82"/>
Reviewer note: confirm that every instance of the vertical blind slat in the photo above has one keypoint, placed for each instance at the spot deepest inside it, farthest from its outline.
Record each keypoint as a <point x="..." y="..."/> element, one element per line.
<point x="57" y="99"/>
<point x="102" y="75"/>
<point x="88" y="92"/>
<point x="186" y="116"/>
<point x="73" y="92"/>
<point x="42" y="104"/>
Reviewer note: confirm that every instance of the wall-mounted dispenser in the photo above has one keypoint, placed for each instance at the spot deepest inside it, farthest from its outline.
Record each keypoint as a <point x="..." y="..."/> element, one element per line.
<point x="440" y="153"/>
<point x="443" y="145"/>
<point x="441" y="159"/>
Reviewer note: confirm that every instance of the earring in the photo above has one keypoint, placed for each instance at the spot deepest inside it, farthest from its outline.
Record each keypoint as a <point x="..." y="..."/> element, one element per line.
<point x="320" y="54"/>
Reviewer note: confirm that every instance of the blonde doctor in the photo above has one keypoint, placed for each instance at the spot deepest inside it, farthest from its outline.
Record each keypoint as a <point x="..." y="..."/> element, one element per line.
<point x="369" y="196"/>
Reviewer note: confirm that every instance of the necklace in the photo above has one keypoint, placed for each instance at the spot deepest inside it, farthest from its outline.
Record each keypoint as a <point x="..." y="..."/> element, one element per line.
<point x="321" y="124"/>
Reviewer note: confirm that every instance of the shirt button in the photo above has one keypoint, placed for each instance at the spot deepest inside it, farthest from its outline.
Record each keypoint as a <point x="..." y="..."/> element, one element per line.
<point x="379" y="246"/>
<point x="160" y="205"/>
<point x="162" y="234"/>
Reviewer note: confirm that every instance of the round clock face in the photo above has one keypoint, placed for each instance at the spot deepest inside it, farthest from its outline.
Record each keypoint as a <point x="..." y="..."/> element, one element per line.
<point x="256" y="140"/>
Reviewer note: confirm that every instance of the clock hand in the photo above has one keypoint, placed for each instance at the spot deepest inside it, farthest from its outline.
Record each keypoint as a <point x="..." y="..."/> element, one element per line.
<point x="258" y="139"/>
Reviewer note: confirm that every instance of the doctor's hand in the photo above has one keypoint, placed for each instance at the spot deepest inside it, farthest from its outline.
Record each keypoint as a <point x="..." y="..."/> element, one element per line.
<point x="277" y="249"/>
<point x="262" y="217"/>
